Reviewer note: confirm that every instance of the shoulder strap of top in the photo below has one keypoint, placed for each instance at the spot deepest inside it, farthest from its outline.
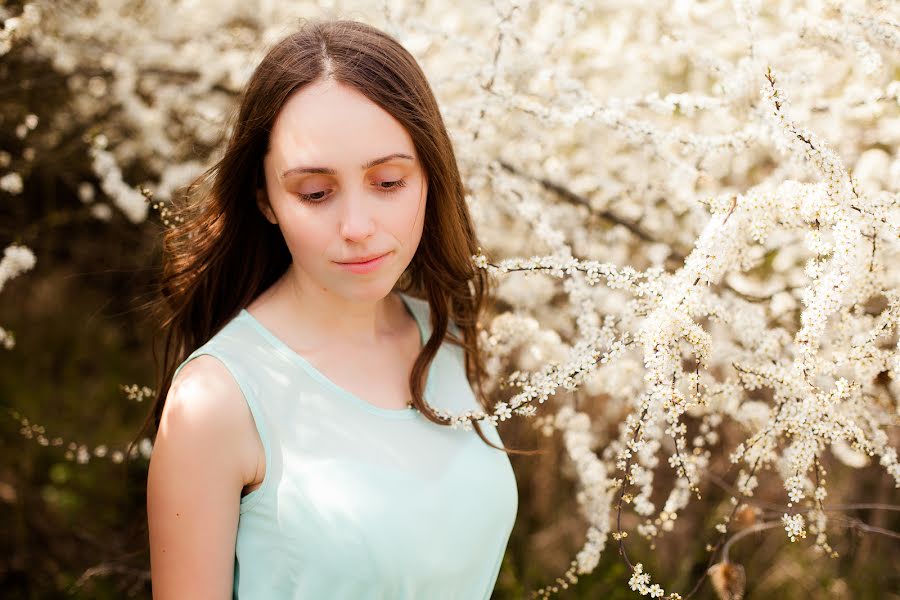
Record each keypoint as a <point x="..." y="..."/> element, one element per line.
<point x="422" y="311"/>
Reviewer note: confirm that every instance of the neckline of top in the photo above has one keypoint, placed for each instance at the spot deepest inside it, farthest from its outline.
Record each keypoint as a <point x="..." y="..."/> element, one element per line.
<point x="286" y="351"/>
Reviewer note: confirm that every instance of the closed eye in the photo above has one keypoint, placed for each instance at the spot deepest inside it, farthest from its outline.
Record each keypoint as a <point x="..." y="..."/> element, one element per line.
<point x="313" y="198"/>
<point x="392" y="186"/>
<point x="387" y="187"/>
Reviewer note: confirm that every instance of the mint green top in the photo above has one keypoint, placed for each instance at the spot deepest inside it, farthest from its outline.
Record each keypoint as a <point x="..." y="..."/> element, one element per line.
<point x="361" y="502"/>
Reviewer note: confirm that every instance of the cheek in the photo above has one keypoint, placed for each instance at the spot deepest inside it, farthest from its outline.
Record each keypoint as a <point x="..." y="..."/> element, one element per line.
<point x="303" y="237"/>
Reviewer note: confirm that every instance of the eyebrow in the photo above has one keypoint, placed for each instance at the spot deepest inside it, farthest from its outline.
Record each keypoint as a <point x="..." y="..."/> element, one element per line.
<point x="329" y="171"/>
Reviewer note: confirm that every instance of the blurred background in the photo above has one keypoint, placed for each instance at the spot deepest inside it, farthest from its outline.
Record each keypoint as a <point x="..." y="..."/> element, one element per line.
<point x="74" y="385"/>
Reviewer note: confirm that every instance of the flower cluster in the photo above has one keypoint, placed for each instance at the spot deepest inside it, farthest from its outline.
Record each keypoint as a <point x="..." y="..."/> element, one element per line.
<point x="16" y="260"/>
<point x="137" y="393"/>
<point x="795" y="526"/>
<point x="18" y="27"/>
<point x="79" y="452"/>
<point x="640" y="582"/>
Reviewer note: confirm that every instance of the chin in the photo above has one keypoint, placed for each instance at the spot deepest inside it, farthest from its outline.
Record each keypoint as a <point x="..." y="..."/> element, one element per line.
<point x="366" y="291"/>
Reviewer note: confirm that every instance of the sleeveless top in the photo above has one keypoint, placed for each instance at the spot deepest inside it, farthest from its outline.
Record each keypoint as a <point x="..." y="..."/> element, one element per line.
<point x="362" y="502"/>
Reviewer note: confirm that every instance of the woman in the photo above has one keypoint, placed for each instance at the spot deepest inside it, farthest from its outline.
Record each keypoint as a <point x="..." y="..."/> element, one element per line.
<point x="324" y="288"/>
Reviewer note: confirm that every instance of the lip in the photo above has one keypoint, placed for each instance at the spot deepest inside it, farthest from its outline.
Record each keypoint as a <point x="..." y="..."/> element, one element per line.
<point x="365" y="260"/>
<point x="366" y="266"/>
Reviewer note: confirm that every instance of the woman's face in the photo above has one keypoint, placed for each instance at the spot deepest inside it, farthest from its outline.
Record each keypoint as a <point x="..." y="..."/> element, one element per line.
<point x="344" y="183"/>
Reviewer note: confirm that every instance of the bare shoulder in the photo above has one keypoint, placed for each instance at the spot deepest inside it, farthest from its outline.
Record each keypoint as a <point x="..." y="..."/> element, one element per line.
<point x="205" y="411"/>
<point x="203" y="456"/>
<point x="204" y="379"/>
<point x="204" y="394"/>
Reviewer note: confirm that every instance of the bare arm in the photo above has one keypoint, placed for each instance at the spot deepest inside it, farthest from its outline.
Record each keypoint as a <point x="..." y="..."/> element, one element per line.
<point x="203" y="456"/>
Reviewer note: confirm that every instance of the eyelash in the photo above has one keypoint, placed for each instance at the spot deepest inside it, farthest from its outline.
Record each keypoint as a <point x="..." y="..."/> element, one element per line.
<point x="396" y="185"/>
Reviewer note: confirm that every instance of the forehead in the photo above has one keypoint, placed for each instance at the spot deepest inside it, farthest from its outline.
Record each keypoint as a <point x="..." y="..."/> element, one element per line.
<point x="329" y="122"/>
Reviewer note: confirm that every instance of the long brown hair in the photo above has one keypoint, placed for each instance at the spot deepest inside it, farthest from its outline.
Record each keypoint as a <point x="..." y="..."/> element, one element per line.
<point x="222" y="253"/>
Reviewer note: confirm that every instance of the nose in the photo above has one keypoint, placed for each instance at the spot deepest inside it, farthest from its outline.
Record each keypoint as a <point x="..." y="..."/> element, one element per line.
<point x="356" y="219"/>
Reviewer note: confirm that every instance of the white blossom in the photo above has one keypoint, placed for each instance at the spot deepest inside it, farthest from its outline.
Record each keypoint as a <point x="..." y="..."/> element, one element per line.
<point x="696" y="220"/>
<point x="11" y="183"/>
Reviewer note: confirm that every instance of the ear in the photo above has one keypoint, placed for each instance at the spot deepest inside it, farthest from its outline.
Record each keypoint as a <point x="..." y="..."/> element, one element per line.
<point x="262" y="202"/>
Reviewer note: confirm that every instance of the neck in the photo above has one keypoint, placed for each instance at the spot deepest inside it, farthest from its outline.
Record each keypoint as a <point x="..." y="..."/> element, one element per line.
<point x="325" y="315"/>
